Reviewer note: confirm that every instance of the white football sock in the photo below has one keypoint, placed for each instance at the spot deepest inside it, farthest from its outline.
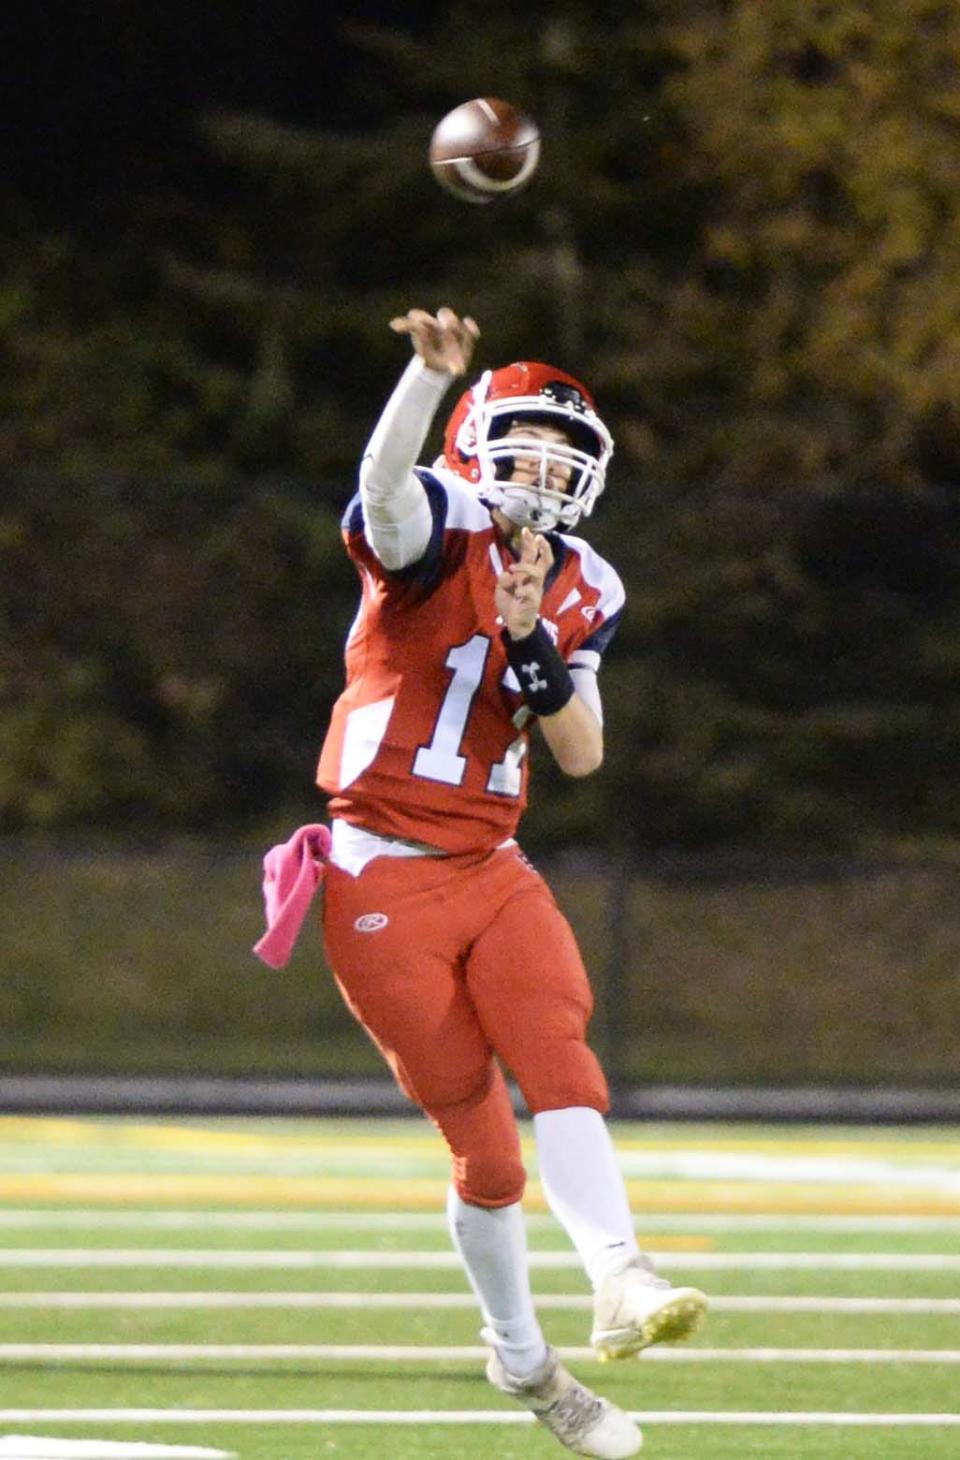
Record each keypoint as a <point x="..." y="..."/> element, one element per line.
<point x="584" y="1185"/>
<point x="492" y="1242"/>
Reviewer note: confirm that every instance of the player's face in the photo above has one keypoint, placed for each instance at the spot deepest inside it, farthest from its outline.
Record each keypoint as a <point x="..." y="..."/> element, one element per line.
<point x="528" y="470"/>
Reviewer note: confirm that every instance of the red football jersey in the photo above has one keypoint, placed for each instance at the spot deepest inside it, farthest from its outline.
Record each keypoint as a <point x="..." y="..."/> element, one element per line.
<point x="428" y="741"/>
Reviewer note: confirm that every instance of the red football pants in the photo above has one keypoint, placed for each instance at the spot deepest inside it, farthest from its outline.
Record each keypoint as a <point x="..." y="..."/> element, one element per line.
<point x="448" y="962"/>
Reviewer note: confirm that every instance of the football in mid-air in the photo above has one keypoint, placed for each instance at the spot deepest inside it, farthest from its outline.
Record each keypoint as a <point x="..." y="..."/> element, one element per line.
<point x="484" y="149"/>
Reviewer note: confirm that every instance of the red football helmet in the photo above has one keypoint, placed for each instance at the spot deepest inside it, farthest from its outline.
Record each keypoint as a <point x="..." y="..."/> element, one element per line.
<point x="503" y="400"/>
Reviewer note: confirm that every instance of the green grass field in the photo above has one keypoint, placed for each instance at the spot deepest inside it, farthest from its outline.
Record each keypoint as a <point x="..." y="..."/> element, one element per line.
<point x="286" y="1289"/>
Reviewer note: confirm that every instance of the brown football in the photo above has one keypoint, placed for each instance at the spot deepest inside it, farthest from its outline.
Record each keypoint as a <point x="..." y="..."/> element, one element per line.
<point x="484" y="149"/>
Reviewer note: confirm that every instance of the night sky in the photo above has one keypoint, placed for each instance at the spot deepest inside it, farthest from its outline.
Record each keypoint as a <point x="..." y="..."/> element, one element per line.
<point x="100" y="96"/>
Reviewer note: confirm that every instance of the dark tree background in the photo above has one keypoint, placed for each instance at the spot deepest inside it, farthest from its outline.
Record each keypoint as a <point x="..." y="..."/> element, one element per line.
<point x="745" y="234"/>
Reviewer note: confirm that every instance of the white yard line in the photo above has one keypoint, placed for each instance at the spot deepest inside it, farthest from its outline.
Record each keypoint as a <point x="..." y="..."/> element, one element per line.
<point x="282" y="1221"/>
<point x="934" y="1169"/>
<point x="83" y="1257"/>
<point x="419" y="1353"/>
<point x="454" y="1417"/>
<point x="35" y="1447"/>
<point x="830" y="1305"/>
<point x="321" y="1300"/>
<point x="838" y="1169"/>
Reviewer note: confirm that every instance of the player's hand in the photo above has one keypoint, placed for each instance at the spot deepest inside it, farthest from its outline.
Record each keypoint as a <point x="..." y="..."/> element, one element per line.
<point x="443" y="340"/>
<point x="519" y="589"/>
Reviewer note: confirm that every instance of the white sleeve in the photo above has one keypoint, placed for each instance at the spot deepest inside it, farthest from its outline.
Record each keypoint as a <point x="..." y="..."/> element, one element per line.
<point x="396" y="512"/>
<point x="586" y="686"/>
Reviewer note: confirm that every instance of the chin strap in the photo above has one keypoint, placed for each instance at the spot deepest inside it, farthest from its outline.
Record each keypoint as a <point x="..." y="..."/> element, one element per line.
<point x="525" y="508"/>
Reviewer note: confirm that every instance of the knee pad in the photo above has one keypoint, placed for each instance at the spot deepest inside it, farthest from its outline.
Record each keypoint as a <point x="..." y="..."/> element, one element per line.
<point x="481" y="1132"/>
<point x="489" y="1178"/>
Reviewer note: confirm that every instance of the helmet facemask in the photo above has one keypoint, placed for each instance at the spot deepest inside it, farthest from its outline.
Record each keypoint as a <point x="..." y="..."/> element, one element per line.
<point x="567" y="475"/>
<point x="564" y="481"/>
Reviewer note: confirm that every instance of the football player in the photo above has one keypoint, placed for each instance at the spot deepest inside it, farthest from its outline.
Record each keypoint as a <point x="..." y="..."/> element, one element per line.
<point x="481" y="615"/>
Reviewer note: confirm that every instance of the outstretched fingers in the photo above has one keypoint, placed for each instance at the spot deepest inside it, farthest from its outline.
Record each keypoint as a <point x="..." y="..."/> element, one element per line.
<point x="443" y="340"/>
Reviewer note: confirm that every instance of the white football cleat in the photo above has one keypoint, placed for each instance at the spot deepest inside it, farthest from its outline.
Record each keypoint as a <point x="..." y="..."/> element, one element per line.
<point x="572" y="1413"/>
<point x="633" y="1308"/>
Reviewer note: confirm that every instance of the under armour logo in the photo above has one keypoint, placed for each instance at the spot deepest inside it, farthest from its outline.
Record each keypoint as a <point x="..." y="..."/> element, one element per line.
<point x="533" y="670"/>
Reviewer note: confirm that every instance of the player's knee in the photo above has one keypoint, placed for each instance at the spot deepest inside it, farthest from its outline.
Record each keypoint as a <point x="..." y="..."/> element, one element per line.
<point x="564" y="1076"/>
<point x="489" y="1178"/>
<point x="481" y="1132"/>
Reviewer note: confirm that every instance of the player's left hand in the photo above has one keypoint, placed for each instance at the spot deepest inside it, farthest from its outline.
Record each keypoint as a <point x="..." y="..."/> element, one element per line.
<point x="519" y="589"/>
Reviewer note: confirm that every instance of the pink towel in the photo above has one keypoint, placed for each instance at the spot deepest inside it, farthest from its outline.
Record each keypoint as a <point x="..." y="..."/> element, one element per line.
<point x="291" y="875"/>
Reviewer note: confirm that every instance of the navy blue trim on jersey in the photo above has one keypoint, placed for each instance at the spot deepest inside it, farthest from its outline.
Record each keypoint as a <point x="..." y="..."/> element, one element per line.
<point x="352" y="519"/>
<point x="560" y="551"/>
<point x="599" y="640"/>
<point x="426" y="570"/>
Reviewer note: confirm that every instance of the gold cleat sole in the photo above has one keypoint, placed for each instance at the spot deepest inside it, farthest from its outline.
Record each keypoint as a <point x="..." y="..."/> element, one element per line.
<point x="678" y="1319"/>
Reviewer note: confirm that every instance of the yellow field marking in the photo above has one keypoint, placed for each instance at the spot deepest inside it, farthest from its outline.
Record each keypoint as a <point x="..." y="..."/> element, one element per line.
<point x="47" y="1129"/>
<point x="169" y="1187"/>
<point x="207" y="1137"/>
<point x="429" y="1193"/>
<point x="61" y="1132"/>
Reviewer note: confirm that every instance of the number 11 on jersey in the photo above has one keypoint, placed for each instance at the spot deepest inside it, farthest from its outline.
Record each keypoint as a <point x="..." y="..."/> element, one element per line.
<point x="441" y="759"/>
